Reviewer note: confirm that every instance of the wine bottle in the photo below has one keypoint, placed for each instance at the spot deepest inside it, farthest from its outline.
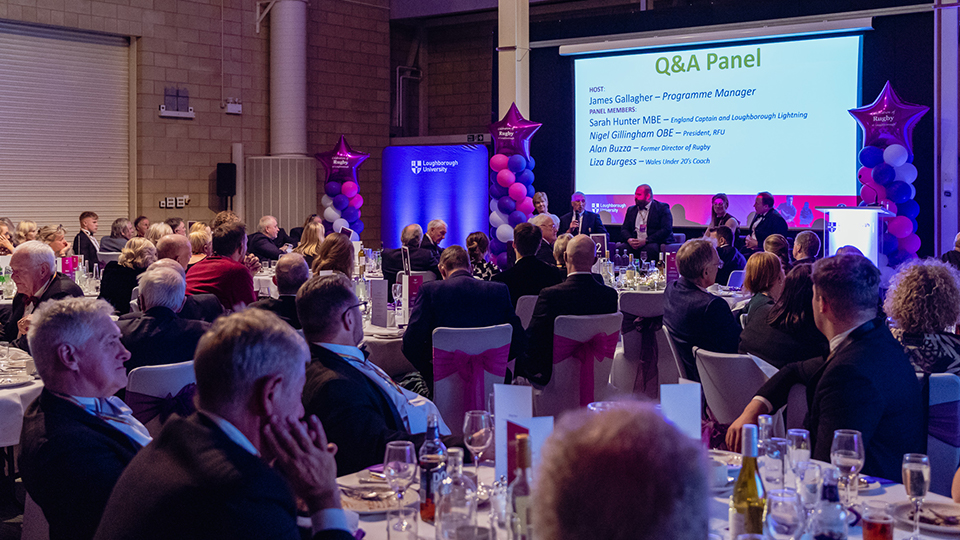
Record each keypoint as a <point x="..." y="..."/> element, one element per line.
<point x="433" y="468"/>
<point x="747" y="502"/>
<point x="520" y="490"/>
<point x="829" y="518"/>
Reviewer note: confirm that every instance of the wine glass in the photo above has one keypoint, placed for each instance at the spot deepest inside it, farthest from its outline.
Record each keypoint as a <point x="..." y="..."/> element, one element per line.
<point x="846" y="454"/>
<point x="916" y="481"/>
<point x="783" y="516"/>
<point x="799" y="447"/>
<point x="809" y="480"/>
<point x="477" y="436"/>
<point x="400" y="467"/>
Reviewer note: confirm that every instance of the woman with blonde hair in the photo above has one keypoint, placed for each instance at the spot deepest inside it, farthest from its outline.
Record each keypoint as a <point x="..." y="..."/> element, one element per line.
<point x="778" y="245"/>
<point x="764" y="279"/>
<point x="540" y="203"/>
<point x="120" y="277"/>
<point x="201" y="246"/>
<point x="477" y="245"/>
<point x="199" y="226"/>
<point x="310" y="241"/>
<point x="924" y="303"/>
<point x="158" y="231"/>
<point x="26" y="231"/>
<point x="335" y="254"/>
<point x="54" y="237"/>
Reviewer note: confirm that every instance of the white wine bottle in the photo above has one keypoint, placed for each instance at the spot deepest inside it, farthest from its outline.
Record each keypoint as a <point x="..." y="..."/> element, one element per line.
<point x="748" y="499"/>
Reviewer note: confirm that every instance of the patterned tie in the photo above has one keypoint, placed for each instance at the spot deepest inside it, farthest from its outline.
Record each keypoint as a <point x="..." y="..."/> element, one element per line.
<point x="115" y="412"/>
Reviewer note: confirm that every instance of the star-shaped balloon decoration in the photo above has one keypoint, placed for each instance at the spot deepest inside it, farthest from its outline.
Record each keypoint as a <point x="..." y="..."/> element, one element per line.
<point x="889" y="120"/>
<point x="341" y="163"/>
<point x="512" y="134"/>
<point x="341" y="201"/>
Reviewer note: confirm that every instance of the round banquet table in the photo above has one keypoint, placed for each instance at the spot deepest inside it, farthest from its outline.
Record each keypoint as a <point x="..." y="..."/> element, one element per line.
<point x="15" y="400"/>
<point x="385" y="348"/>
<point x="263" y="285"/>
<point x="733" y="299"/>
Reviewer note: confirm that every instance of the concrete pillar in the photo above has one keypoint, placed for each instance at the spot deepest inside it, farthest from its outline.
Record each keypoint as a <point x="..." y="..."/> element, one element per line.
<point x="945" y="131"/>
<point x="514" y="55"/>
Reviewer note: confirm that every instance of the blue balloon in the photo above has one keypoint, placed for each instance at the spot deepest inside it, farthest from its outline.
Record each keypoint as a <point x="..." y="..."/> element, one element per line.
<point x="530" y="190"/>
<point x="497" y="191"/>
<point x="506" y="205"/>
<point x="915" y="224"/>
<point x="871" y="156"/>
<point x="340" y="202"/>
<point x="898" y="192"/>
<point x="332" y="188"/>
<point x="496" y="246"/>
<point x="883" y="174"/>
<point x="502" y="260"/>
<point x="516" y="163"/>
<point x="909" y="208"/>
<point x="357" y="226"/>
<point x="888" y="243"/>
<point x="531" y="163"/>
<point x="526" y="177"/>
<point x="350" y="214"/>
<point x="516" y="217"/>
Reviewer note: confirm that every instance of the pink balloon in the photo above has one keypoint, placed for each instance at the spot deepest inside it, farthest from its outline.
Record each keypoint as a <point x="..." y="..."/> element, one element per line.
<point x="506" y="178"/>
<point x="518" y="191"/>
<point x="889" y="205"/>
<point x="872" y="193"/>
<point x="526" y="206"/>
<point x="909" y="243"/>
<point x="350" y="189"/>
<point x="864" y="176"/>
<point x="356" y="201"/>
<point x="900" y="226"/>
<point x="499" y="162"/>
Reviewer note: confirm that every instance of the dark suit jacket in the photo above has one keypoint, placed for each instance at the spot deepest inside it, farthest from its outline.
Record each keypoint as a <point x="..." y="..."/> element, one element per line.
<point x="867" y="384"/>
<point x="263" y="246"/>
<point x="698" y="319"/>
<point x="285" y="307"/>
<point x="421" y="260"/>
<point x="158" y="336"/>
<point x="428" y="244"/>
<point x="590" y="223"/>
<point x="60" y="287"/>
<point x="295" y="234"/>
<point x="193" y="482"/>
<point x="460" y="301"/>
<point x="70" y="461"/>
<point x="117" y="285"/>
<point x="659" y="223"/>
<point x="201" y="307"/>
<point x="545" y="253"/>
<point x="82" y="245"/>
<point x="777" y="346"/>
<point x="773" y="223"/>
<point x="732" y="260"/>
<point x="528" y="277"/>
<point x="579" y="294"/>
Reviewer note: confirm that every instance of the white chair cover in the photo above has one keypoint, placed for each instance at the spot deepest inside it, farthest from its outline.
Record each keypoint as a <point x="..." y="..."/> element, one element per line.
<point x="525" y="305"/>
<point x="729" y="382"/>
<point x="943" y="441"/>
<point x="677" y="362"/>
<point x="158" y="382"/>
<point x="563" y="392"/>
<point x="451" y="393"/>
<point x="428" y="276"/>
<point x="625" y="374"/>
<point x="736" y="278"/>
<point x="107" y="256"/>
<point x="35" y="525"/>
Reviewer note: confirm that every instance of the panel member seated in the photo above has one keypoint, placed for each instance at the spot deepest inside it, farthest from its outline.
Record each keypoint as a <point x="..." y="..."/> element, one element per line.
<point x="729" y="256"/>
<point x="529" y="275"/>
<point x="580" y="220"/>
<point x="648" y="224"/>
<point x="766" y="221"/>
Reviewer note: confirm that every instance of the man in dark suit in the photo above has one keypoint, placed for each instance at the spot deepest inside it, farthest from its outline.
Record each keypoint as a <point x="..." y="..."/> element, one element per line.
<point x="292" y="272"/>
<point x="263" y="243"/>
<point x="579" y="294"/>
<point x="806" y="247"/>
<point x="421" y="260"/>
<point x="173" y="251"/>
<point x="695" y="317"/>
<point x="529" y="275"/>
<point x="360" y="407"/>
<point x="648" y="224"/>
<point x="766" y="221"/>
<point x="297" y="232"/>
<point x="207" y="476"/>
<point x="866" y="383"/>
<point x="436" y="232"/>
<point x="85" y="242"/>
<point x="548" y="235"/>
<point x="730" y="258"/>
<point x="157" y="336"/>
<point x="580" y="220"/>
<point x="459" y="301"/>
<point x="77" y="437"/>
<point x="34" y="271"/>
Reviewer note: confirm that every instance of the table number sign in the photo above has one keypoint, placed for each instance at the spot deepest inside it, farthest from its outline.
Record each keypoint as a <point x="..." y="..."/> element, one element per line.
<point x="378" y="302"/>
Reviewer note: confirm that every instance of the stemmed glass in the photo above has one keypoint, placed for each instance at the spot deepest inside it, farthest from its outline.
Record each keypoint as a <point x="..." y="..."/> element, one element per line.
<point x="799" y="448"/>
<point x="397" y="295"/>
<point x="916" y="480"/>
<point x="809" y="481"/>
<point x="846" y="454"/>
<point x="783" y="516"/>
<point x="400" y="468"/>
<point x="478" y="436"/>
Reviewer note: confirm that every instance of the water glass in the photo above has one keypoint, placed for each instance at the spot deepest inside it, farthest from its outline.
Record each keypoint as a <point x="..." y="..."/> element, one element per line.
<point x="775" y="450"/>
<point x="402" y="523"/>
<point x="847" y="454"/>
<point x="799" y="447"/>
<point x="400" y="468"/>
<point x="809" y="478"/>
<point x="783" y="515"/>
<point x="877" y="521"/>
<point x="916" y="481"/>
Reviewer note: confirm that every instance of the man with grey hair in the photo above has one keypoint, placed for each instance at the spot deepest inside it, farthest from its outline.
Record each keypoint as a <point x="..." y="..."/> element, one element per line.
<point x="208" y="475"/>
<point x="263" y="243"/>
<point x="77" y="436"/>
<point x="952" y="257"/>
<point x="157" y="335"/>
<point x="421" y="259"/>
<point x="436" y="232"/>
<point x="174" y="246"/>
<point x="629" y="453"/>
<point x="806" y="247"/>
<point x="199" y="306"/>
<point x="120" y="232"/>
<point x="35" y="273"/>
<point x="548" y="229"/>
<point x="292" y="272"/>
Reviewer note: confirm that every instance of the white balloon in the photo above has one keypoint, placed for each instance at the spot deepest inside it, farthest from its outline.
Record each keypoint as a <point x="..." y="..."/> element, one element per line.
<point x="326" y="201"/>
<point x="906" y="173"/>
<point x="895" y="155"/>
<point x="331" y="214"/>
<point x="505" y="233"/>
<point x="339" y="224"/>
<point x="883" y="260"/>
<point x="496" y="220"/>
<point x="885" y="274"/>
<point x="913" y="191"/>
<point x="493" y="205"/>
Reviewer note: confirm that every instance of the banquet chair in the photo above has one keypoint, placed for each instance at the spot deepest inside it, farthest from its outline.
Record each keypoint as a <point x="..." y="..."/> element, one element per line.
<point x="583" y="349"/>
<point x="428" y="276"/>
<point x="467" y="362"/>
<point x="35" y="526"/>
<point x="154" y="392"/>
<point x="108" y="256"/>
<point x="642" y="318"/>
<point x="525" y="305"/>
<point x="943" y="440"/>
<point x="678" y="348"/>
<point x="797" y="407"/>
<point x="729" y="382"/>
<point x="736" y="278"/>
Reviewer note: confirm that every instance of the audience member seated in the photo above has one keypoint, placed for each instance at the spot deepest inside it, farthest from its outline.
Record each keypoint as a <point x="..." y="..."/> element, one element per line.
<point x="766" y="221"/>
<point x="579" y="294"/>
<point x="436" y="232"/>
<point x="648" y="224"/>
<point x="548" y="233"/>
<point x="924" y="303"/>
<point x="157" y="335"/>
<point x="764" y="279"/>
<point x="359" y="405"/>
<point x="77" y="436"/>
<point x="953" y="256"/>
<point x="866" y="383"/>
<point x="196" y="307"/>
<point x="420" y="259"/>
<point x="849" y="250"/>
<point x="120" y="232"/>
<point x="198" y="226"/>
<point x="729" y="256"/>
<point x="311" y="238"/>
<point x="778" y="245"/>
<point x="292" y="272"/>
<point x="26" y="231"/>
<point x="141" y="225"/>
<point x="85" y="243"/>
<point x="262" y="243"/>
<point x="529" y="275"/>
<point x="177" y="225"/>
<point x="786" y="332"/>
<point x="458" y="301"/>
<point x="209" y="475"/>
<point x="120" y="277"/>
<point x="296" y="233"/>
<point x="693" y="315"/>
<point x="540" y="203"/>
<point x="201" y="246"/>
<point x="158" y="231"/>
<point x="176" y="247"/>
<point x="223" y="273"/>
<point x="806" y="248"/>
<point x="477" y="246"/>
<point x="719" y="217"/>
<point x="7" y="242"/>
<point x="335" y="255"/>
<point x="35" y="274"/>
<point x="592" y="462"/>
<point x="559" y="249"/>
<point x="54" y="238"/>
<point x="580" y="220"/>
<point x="224" y="217"/>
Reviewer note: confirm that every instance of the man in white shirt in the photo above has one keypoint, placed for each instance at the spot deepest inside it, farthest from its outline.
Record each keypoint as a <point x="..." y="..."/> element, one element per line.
<point x="85" y="243"/>
<point x="648" y="224"/>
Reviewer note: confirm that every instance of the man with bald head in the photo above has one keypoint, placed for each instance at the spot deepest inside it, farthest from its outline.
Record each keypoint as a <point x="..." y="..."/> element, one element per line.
<point x="579" y="294"/>
<point x="421" y="259"/>
<point x="292" y="272"/>
<point x="647" y="225"/>
<point x="174" y="246"/>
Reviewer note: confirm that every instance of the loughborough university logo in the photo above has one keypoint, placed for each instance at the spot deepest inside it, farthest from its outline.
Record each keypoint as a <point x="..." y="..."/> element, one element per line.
<point x="416" y="166"/>
<point x="433" y="166"/>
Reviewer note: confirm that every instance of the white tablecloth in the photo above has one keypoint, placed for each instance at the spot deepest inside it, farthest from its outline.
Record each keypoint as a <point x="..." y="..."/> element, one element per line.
<point x="732" y="300"/>
<point x="13" y="403"/>
<point x="263" y="285"/>
<point x="385" y="348"/>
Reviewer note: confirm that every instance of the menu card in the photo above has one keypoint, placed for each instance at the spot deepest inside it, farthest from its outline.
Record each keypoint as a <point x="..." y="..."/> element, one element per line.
<point x="680" y="405"/>
<point x="510" y="404"/>
<point x="670" y="267"/>
<point x="378" y="302"/>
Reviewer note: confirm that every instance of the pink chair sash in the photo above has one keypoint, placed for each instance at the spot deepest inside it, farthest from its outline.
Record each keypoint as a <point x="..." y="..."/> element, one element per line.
<point x="146" y="408"/>
<point x="596" y="348"/>
<point x="471" y="367"/>
<point x="944" y="422"/>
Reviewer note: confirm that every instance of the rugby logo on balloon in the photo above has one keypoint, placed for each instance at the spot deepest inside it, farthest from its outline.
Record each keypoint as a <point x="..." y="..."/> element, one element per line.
<point x="342" y="200"/>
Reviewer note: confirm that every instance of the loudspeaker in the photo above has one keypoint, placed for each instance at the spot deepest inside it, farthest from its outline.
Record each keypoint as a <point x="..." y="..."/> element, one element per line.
<point x="226" y="179"/>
